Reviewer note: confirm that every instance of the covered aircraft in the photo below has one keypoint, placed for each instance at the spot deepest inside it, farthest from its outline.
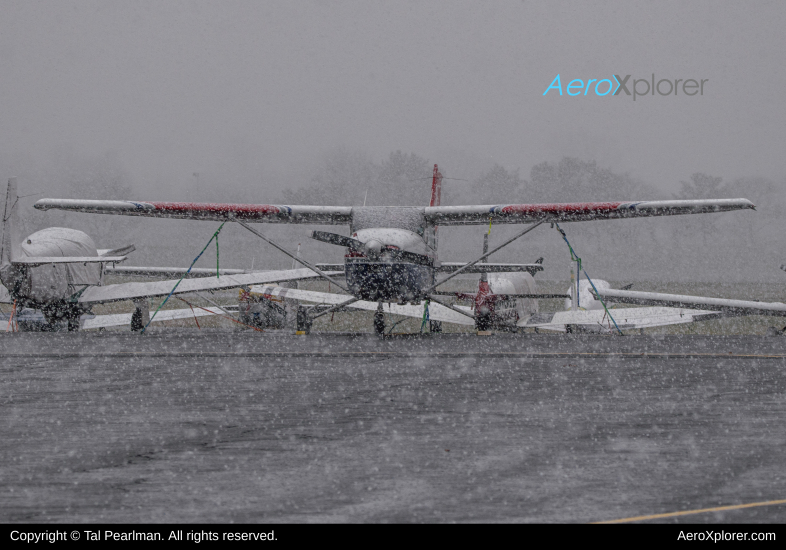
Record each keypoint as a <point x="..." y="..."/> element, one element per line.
<point x="60" y="272"/>
<point x="391" y="252"/>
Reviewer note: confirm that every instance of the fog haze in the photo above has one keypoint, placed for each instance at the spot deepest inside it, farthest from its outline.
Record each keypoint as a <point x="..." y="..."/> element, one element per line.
<point x="245" y="100"/>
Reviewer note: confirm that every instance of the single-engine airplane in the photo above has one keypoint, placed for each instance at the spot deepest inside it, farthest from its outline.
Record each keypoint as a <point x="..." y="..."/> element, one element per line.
<point x="391" y="252"/>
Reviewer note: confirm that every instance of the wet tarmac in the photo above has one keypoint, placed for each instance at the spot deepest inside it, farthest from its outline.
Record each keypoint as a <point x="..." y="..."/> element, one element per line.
<point x="199" y="426"/>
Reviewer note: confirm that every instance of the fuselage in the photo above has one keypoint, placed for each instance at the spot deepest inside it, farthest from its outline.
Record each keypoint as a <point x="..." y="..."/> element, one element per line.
<point x="377" y="273"/>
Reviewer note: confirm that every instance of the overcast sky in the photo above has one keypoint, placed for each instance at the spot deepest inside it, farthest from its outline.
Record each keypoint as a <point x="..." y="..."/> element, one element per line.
<point x="261" y="90"/>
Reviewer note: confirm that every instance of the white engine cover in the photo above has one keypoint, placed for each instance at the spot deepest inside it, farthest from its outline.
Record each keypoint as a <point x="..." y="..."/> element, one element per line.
<point x="516" y="283"/>
<point x="586" y="301"/>
<point x="51" y="282"/>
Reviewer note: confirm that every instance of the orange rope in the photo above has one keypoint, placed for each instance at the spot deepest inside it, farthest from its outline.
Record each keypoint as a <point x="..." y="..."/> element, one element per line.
<point x="225" y="316"/>
<point x="195" y="317"/>
<point x="10" y="319"/>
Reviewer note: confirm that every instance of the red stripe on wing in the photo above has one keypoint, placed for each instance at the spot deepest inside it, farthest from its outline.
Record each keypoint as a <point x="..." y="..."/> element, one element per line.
<point x="565" y="208"/>
<point x="240" y="210"/>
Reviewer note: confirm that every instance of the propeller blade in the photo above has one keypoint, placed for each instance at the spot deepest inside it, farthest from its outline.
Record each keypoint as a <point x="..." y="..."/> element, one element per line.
<point x="411" y="257"/>
<point x="339" y="240"/>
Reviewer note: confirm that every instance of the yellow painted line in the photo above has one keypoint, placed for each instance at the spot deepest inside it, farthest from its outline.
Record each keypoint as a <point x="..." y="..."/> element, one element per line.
<point x="702" y="511"/>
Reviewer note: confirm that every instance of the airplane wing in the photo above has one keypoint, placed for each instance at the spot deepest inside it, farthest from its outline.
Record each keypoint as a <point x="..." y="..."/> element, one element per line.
<point x="723" y="305"/>
<point x="5" y="297"/>
<point x="626" y="318"/>
<point x="576" y="211"/>
<point x="440" y="215"/>
<point x="266" y="213"/>
<point x="131" y="291"/>
<point x="88" y="321"/>
<point x="436" y="312"/>
<point x="40" y="260"/>
<point x="124" y="319"/>
<point x="173" y="271"/>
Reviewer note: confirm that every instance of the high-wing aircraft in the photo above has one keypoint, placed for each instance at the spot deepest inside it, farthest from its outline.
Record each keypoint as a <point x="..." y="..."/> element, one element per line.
<point x="59" y="272"/>
<point x="391" y="252"/>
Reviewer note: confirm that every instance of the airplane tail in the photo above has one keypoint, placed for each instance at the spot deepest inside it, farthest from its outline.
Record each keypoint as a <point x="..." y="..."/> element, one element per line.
<point x="436" y="197"/>
<point x="436" y="187"/>
<point x="9" y="245"/>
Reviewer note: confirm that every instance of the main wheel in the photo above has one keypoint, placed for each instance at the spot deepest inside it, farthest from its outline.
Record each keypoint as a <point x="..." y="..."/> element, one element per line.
<point x="136" y="320"/>
<point x="379" y="321"/>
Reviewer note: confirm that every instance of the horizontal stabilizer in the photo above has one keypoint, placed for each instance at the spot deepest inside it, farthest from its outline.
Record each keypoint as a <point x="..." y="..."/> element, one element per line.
<point x="122" y="251"/>
<point x="724" y="305"/>
<point x="450" y="267"/>
<point x="41" y="260"/>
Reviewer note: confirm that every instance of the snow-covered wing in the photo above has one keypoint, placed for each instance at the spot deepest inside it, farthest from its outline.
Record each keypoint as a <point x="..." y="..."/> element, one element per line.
<point x="130" y="291"/>
<point x="124" y="319"/>
<point x="40" y="260"/>
<point x="171" y="271"/>
<point x="626" y="318"/>
<point x="437" y="312"/>
<point x="726" y="306"/>
<point x="5" y="297"/>
<point x="576" y="211"/>
<point x="267" y="213"/>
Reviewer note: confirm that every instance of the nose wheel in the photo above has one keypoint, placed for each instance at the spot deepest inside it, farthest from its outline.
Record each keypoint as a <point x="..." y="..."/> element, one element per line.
<point x="379" y="321"/>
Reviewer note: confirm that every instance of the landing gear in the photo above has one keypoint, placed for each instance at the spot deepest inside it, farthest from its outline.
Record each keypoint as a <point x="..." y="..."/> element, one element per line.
<point x="435" y="326"/>
<point x="482" y="322"/>
<point x="73" y="323"/>
<point x="304" y="321"/>
<point x="141" y="316"/>
<point x="379" y="321"/>
<point x="136" y="321"/>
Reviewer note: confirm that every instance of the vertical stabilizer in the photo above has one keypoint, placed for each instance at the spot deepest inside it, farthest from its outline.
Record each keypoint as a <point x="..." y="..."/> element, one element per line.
<point x="436" y="187"/>
<point x="436" y="197"/>
<point x="9" y="245"/>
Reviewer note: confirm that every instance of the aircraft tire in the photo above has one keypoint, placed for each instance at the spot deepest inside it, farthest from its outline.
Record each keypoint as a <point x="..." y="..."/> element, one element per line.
<point x="379" y="323"/>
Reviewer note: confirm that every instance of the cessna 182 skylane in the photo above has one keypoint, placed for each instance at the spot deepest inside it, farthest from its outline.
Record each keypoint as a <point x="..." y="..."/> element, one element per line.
<point x="391" y="253"/>
<point x="59" y="272"/>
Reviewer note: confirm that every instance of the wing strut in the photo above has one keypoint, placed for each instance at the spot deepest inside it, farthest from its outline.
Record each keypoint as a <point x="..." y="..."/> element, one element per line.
<point x="336" y="307"/>
<point x="483" y="257"/>
<point x="294" y="257"/>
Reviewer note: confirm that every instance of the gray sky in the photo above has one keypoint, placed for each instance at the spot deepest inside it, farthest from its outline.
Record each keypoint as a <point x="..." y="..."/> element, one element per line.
<point x="258" y="91"/>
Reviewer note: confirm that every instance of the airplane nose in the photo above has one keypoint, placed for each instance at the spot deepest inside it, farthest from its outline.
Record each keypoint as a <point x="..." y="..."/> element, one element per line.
<point x="373" y="248"/>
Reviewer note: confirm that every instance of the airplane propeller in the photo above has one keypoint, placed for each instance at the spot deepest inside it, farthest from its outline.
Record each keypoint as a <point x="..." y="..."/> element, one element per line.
<point x="373" y="248"/>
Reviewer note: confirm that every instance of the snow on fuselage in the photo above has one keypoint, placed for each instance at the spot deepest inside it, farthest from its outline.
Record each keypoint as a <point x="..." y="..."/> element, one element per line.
<point x="376" y="274"/>
<point x="586" y="299"/>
